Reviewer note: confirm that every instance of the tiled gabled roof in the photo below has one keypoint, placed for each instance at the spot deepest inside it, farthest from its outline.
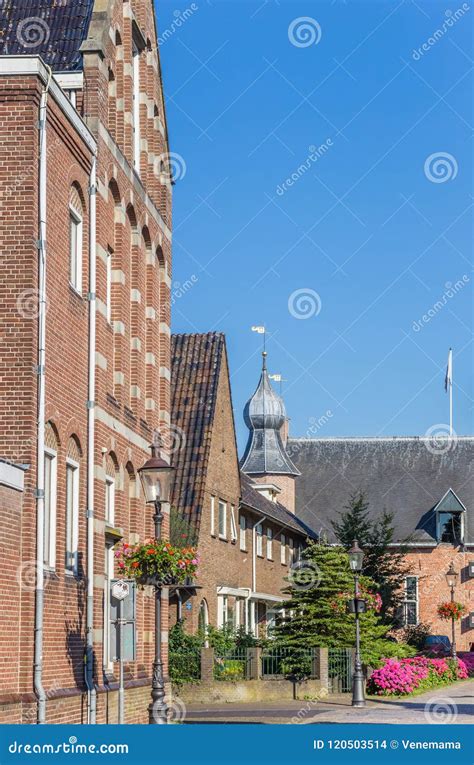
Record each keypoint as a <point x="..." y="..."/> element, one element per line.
<point x="254" y="500"/>
<point x="196" y="364"/>
<point x="52" y="29"/>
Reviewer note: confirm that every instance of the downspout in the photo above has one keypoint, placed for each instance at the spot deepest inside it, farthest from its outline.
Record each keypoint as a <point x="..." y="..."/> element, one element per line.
<point x="39" y="588"/>
<point x="89" y="655"/>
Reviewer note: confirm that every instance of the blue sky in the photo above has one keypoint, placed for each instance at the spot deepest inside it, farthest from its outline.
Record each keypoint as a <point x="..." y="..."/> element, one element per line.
<point x="372" y="235"/>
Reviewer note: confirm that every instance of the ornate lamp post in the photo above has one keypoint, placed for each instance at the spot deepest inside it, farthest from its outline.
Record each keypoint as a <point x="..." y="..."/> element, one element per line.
<point x="155" y="476"/>
<point x="356" y="557"/>
<point x="452" y="580"/>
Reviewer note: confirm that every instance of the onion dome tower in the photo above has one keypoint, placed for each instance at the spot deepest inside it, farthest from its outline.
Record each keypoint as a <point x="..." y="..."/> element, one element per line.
<point x="265" y="458"/>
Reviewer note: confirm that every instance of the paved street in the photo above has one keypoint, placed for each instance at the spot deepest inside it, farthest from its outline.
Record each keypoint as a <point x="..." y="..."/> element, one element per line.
<point x="452" y="704"/>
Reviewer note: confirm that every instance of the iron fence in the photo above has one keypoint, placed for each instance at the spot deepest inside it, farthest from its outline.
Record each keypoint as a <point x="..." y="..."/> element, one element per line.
<point x="288" y="662"/>
<point x="340" y="670"/>
<point x="232" y="665"/>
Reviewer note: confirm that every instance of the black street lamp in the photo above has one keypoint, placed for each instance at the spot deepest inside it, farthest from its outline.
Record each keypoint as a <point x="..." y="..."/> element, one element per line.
<point x="356" y="557"/>
<point x="452" y="580"/>
<point x="155" y="476"/>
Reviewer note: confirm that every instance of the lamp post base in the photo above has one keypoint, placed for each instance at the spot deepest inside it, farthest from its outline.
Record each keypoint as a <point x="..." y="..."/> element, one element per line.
<point x="358" y="695"/>
<point x="157" y="709"/>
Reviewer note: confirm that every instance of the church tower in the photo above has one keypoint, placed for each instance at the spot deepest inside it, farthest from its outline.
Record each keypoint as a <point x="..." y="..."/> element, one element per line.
<point x="265" y="459"/>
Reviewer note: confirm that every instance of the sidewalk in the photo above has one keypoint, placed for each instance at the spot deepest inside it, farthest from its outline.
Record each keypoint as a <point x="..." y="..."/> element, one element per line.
<point x="450" y="704"/>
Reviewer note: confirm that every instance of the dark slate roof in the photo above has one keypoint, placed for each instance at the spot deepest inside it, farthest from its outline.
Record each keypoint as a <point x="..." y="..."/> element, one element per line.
<point x="254" y="500"/>
<point x="407" y="476"/>
<point x="196" y="364"/>
<point x="264" y="416"/>
<point x="52" y="29"/>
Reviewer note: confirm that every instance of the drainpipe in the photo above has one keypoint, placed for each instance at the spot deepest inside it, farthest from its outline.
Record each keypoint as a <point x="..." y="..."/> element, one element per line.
<point x="89" y="656"/>
<point x="254" y="557"/>
<point x="39" y="589"/>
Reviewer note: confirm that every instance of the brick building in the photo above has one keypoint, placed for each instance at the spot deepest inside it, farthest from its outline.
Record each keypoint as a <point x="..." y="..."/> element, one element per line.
<point x="247" y="541"/>
<point x="428" y="486"/>
<point x="85" y="242"/>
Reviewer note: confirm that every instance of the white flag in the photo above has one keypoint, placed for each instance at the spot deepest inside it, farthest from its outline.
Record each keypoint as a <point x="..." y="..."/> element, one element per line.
<point x="260" y="330"/>
<point x="276" y="378"/>
<point x="449" y="371"/>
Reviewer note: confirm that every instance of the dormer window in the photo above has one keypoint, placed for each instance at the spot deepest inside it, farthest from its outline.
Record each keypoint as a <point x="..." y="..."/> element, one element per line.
<point x="450" y="519"/>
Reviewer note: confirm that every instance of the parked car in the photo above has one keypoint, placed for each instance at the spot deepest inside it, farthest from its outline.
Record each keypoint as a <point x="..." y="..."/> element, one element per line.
<point x="436" y="644"/>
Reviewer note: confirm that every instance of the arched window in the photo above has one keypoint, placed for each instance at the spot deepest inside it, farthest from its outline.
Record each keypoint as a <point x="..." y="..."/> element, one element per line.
<point x="76" y="236"/>
<point x="73" y="461"/>
<point x="50" y="495"/>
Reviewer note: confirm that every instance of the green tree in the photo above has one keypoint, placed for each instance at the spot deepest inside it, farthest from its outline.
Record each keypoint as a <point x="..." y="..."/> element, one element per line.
<point x="317" y="589"/>
<point x="384" y="564"/>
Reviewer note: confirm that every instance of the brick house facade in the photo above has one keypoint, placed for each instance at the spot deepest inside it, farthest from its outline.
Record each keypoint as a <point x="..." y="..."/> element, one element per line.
<point x="247" y="542"/>
<point x="104" y="114"/>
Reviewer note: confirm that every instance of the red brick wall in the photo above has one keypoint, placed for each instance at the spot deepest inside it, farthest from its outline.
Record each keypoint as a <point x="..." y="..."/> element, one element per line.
<point x="131" y="215"/>
<point x="430" y="566"/>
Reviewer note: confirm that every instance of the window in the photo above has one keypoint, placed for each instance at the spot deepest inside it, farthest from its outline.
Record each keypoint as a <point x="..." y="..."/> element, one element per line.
<point x="108" y="296"/>
<point x="75" y="249"/>
<point x="72" y="515"/>
<point x="222" y="611"/>
<point x="291" y="552"/>
<point x="259" y="532"/>
<point x="213" y="517"/>
<point x="136" y="106"/>
<point x="269" y="544"/>
<point x="222" y="520"/>
<point x="49" y="546"/>
<point x="411" y="601"/>
<point x="233" y="527"/>
<point x="282" y="548"/>
<point x="109" y="500"/>
<point x="243" y="532"/>
<point x="450" y="527"/>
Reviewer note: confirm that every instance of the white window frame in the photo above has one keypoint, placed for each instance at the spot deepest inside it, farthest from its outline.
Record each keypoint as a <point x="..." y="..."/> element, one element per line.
<point x="213" y="516"/>
<point x="108" y="288"/>
<point x="259" y="539"/>
<point x="291" y="551"/>
<point x="72" y="517"/>
<point x="222" y="506"/>
<point x="416" y="601"/>
<point x="269" y="543"/>
<point x="243" y="532"/>
<point x="136" y="106"/>
<point x="109" y="500"/>
<point x="75" y="268"/>
<point x="222" y="611"/>
<point x="49" y="550"/>
<point x="233" y="527"/>
<point x="282" y="549"/>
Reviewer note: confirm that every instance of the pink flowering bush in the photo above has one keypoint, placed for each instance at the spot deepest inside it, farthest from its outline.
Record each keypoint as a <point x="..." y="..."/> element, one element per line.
<point x="468" y="661"/>
<point x="399" y="677"/>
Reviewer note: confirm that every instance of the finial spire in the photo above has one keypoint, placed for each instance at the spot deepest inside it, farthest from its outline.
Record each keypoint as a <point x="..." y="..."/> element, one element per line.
<point x="264" y="360"/>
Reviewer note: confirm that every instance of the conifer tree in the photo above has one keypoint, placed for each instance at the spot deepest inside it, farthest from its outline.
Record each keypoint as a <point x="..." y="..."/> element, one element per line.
<point x="318" y="587"/>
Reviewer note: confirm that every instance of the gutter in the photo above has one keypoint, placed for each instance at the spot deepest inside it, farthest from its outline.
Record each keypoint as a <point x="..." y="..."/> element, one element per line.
<point x="89" y="655"/>
<point x="41" y="371"/>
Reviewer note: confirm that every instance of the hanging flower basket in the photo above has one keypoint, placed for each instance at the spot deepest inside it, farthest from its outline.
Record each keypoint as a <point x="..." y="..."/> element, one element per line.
<point x="157" y="563"/>
<point x="451" y="610"/>
<point x="373" y="601"/>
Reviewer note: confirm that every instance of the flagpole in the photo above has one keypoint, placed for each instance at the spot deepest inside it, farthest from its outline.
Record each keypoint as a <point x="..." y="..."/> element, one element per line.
<point x="451" y="409"/>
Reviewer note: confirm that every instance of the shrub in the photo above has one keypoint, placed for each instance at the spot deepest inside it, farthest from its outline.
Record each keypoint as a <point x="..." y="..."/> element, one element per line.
<point x="416" y="635"/>
<point x="468" y="661"/>
<point x="229" y="669"/>
<point x="404" y="676"/>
